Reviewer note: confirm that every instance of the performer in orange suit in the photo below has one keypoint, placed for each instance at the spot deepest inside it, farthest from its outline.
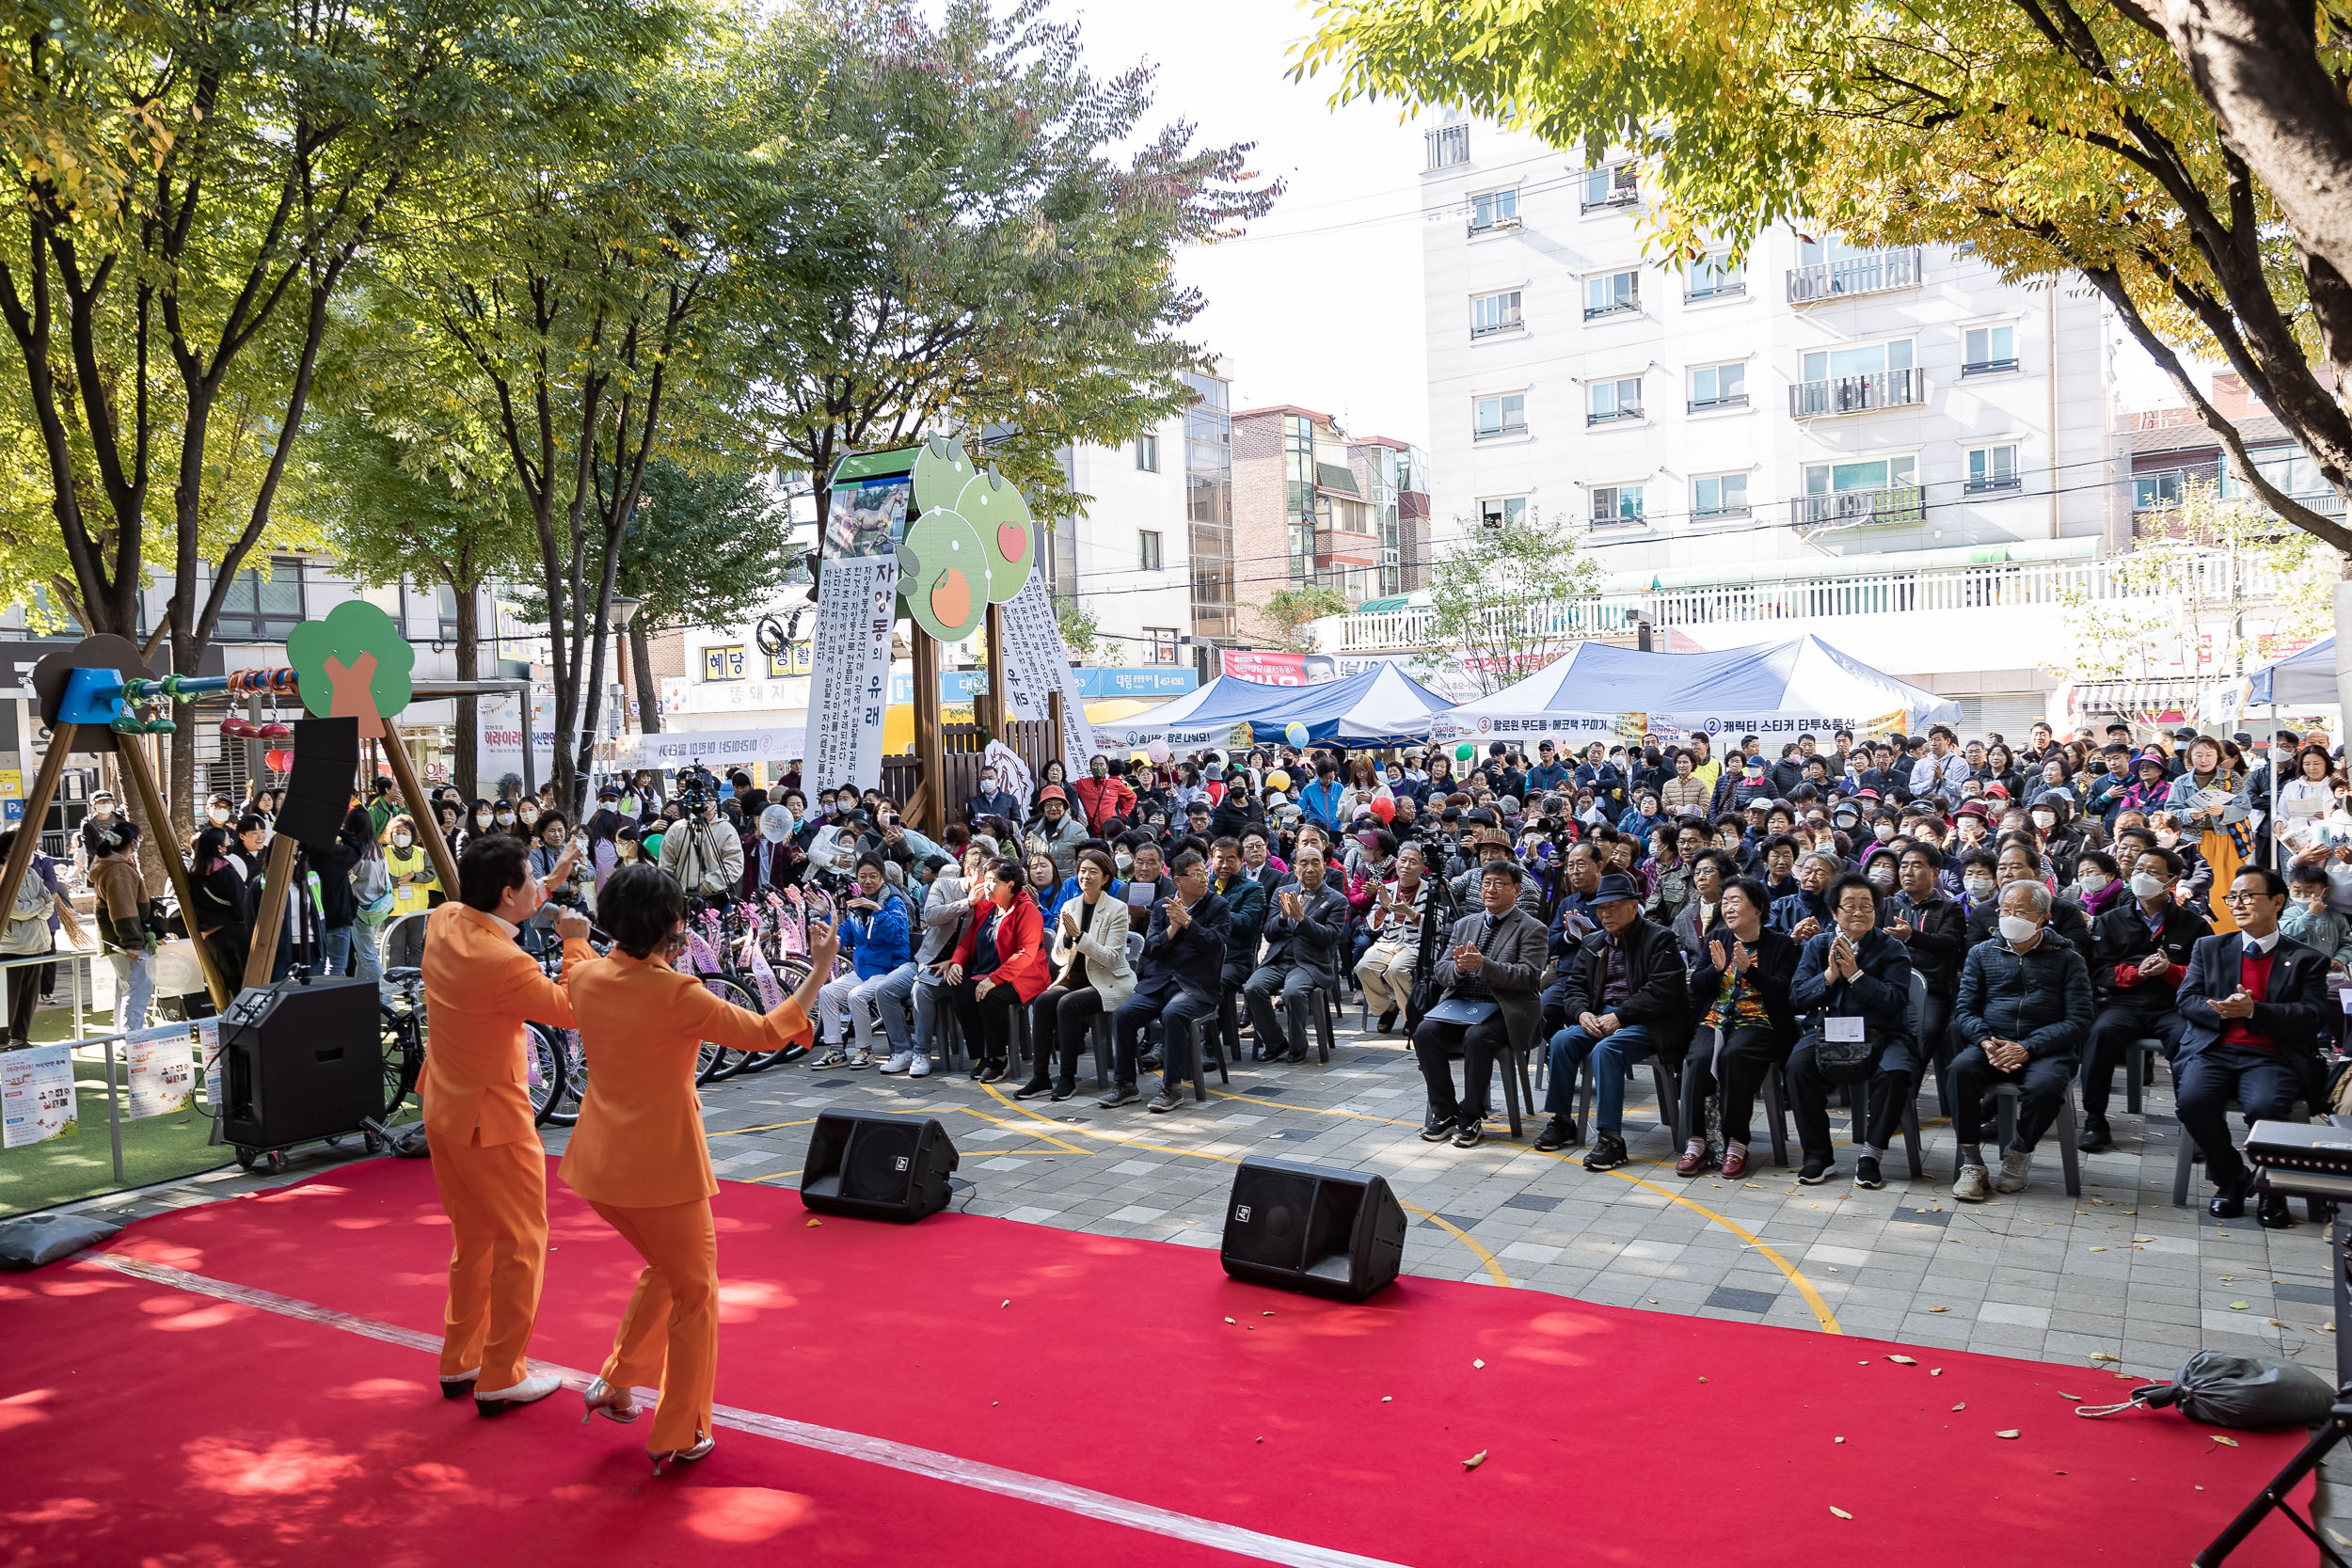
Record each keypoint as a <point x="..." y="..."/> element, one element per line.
<point x="488" y="1160"/>
<point x="638" y="1153"/>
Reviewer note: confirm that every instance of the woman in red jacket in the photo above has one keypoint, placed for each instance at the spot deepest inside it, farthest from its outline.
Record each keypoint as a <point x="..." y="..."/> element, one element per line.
<point x="999" y="965"/>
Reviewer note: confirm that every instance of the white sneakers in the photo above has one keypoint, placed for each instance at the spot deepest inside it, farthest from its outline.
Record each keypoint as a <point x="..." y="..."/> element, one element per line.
<point x="912" y="1063"/>
<point x="531" y="1390"/>
<point x="1972" y="1187"/>
<point x="922" y="1067"/>
<point x="899" y="1062"/>
<point x="2015" y="1163"/>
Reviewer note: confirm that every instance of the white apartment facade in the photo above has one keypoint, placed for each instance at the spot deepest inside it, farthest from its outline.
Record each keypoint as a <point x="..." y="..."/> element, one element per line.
<point x="1814" y="401"/>
<point x="1126" y="558"/>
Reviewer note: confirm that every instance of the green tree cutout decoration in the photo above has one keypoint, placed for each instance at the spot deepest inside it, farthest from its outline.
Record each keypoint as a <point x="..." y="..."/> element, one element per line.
<point x="352" y="664"/>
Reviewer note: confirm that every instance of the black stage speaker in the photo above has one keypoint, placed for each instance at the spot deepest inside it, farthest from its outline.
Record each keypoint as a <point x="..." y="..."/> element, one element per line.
<point x="299" y="1060"/>
<point x="877" y="1166"/>
<point x="1326" y="1232"/>
<point x="318" y="791"/>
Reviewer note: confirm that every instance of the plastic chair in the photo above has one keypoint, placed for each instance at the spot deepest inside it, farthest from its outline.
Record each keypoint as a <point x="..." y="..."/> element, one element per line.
<point x="2140" y="1067"/>
<point x="2188" y="1155"/>
<point x="1664" y="1078"/>
<point x="2005" y="1108"/>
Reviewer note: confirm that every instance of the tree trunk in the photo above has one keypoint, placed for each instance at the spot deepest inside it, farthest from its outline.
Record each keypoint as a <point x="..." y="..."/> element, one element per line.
<point x="465" y="759"/>
<point x="180" y="790"/>
<point x="641" y="666"/>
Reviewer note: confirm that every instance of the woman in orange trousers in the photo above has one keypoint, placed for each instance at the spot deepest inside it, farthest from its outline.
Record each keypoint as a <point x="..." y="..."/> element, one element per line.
<point x="637" y="1152"/>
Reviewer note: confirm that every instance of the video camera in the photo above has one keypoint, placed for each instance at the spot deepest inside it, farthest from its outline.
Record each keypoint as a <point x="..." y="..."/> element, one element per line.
<point x="696" y="788"/>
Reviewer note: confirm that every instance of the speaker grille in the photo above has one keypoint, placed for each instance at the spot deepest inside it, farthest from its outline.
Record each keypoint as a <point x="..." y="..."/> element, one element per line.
<point x="1271" y="1218"/>
<point x="880" y="1163"/>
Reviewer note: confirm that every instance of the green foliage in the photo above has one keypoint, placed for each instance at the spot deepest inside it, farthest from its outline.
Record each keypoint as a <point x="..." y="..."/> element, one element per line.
<point x="354" y="661"/>
<point x="1081" y="632"/>
<point x="1291" y="610"/>
<point x="981" y="237"/>
<point x="1499" y="599"/>
<point x="2051" y="135"/>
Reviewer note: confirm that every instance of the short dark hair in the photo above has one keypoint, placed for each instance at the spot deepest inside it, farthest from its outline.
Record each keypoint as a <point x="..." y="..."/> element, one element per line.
<point x="869" y="858"/>
<point x="2172" y="864"/>
<point x="1839" y="889"/>
<point x="2307" y="874"/>
<point x="1500" y="868"/>
<point x="1926" y="851"/>
<point x="1724" y="865"/>
<point x="1102" y="862"/>
<point x="1754" y="892"/>
<point x="1007" y="869"/>
<point x="1227" y="840"/>
<point x="1184" y="862"/>
<point x="2274" y="885"/>
<point x="639" y="907"/>
<point x="491" y="864"/>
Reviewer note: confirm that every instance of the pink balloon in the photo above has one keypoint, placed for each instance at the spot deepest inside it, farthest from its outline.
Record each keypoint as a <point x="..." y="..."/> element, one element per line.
<point x="1157" y="751"/>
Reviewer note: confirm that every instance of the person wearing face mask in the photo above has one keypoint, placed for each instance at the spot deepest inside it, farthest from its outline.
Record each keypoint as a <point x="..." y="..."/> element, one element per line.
<point x="2253" y="1011"/>
<point x="2099" y="883"/>
<point x="219" y="813"/>
<point x="602" y="824"/>
<point x="409" y="870"/>
<point x="2141" y="949"/>
<point x="2019" y="861"/>
<point x="704" y="855"/>
<point x="219" y="918"/>
<point x="112" y="842"/>
<point x="1854" y="981"/>
<point x="2024" y="1009"/>
<point x="1969" y="877"/>
<point x="527" y="811"/>
<point x="2310" y="921"/>
<point x="1882" y="869"/>
<point x="991" y="800"/>
<point x="480" y="822"/>
<point x="1102" y="795"/>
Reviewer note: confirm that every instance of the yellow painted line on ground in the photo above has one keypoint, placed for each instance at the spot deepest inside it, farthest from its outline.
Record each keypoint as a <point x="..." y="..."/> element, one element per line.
<point x="1821" y="1313"/>
<point x="772" y="1176"/>
<point x="731" y="1131"/>
<point x="1464" y="1237"/>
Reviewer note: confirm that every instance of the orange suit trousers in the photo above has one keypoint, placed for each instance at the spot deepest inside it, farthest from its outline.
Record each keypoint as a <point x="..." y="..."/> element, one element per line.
<point x="669" y="1336"/>
<point x="496" y="1196"/>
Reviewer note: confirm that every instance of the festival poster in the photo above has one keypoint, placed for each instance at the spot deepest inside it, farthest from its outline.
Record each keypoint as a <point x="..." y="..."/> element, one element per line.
<point x="1036" y="664"/>
<point x="868" y="519"/>
<point x="856" y="606"/>
<point x="36" y="1094"/>
<point x="163" y="1071"/>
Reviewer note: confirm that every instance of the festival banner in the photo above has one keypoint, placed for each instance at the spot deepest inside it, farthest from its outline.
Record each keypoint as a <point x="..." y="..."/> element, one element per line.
<point x="857" y="602"/>
<point x="208" y="1053"/>
<point x="1037" y="663"/>
<point x="717" y="749"/>
<point x="163" y="1071"/>
<point x="36" y="1094"/>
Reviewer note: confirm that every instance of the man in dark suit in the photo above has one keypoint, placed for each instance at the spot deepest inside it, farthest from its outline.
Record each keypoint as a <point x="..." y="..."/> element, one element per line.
<point x="1176" y="982"/>
<point x="2251" y="1011"/>
<point x="1304" y="929"/>
<point x="2140" y="951"/>
<point x="1495" y="955"/>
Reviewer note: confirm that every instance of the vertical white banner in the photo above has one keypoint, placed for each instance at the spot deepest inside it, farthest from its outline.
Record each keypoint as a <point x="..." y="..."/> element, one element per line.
<point x="208" y="1054"/>
<point x="163" y="1071"/>
<point x="1037" y="663"/>
<point x="850" y="684"/>
<point x="36" y="1094"/>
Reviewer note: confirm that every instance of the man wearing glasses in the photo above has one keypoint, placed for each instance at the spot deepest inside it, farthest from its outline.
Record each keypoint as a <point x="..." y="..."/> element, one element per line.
<point x="2251" y="1011"/>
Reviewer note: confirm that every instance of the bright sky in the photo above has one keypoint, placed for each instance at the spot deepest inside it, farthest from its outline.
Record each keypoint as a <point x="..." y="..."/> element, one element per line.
<point x="1321" y="305"/>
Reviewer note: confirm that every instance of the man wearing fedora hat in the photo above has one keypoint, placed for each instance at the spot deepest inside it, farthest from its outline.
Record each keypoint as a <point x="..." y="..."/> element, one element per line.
<point x="1625" y="997"/>
<point x="1489" y="970"/>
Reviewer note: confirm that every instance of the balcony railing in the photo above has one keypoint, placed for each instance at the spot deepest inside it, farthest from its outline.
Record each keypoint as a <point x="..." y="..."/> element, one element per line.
<point x="1871" y="273"/>
<point x="1632" y="412"/>
<point x="1487" y="329"/>
<point x="1900" y="507"/>
<point x="1718" y="291"/>
<point x="1857" y="395"/>
<point x="1624" y="306"/>
<point x="1988" y="366"/>
<point x="1619" y="196"/>
<point x="1493" y="225"/>
<point x="1993" y="483"/>
<point x="1448" y="145"/>
<point x="2058" y="584"/>
<point x="1488" y="433"/>
<point x="1729" y="400"/>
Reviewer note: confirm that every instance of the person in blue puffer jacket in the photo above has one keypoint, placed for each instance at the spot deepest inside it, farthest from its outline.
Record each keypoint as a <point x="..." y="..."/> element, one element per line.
<point x="876" y="935"/>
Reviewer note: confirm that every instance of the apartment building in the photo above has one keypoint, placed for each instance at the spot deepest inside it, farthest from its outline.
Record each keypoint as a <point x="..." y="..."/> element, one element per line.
<point x="1127" y="557"/>
<point x="1310" y="505"/>
<point x="1811" y="401"/>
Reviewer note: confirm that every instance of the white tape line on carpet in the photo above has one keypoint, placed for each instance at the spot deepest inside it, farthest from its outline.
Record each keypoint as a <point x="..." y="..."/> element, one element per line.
<point x="849" y="1445"/>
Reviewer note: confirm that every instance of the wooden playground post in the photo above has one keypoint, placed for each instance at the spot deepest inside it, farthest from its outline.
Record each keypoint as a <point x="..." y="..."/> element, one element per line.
<point x="133" y="760"/>
<point x="420" y="811"/>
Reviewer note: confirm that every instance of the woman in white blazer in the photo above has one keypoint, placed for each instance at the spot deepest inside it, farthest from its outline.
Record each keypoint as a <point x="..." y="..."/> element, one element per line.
<point x="1091" y="975"/>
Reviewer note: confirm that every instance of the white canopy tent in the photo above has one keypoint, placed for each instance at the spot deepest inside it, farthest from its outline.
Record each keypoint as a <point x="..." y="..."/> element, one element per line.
<point x="1596" y="692"/>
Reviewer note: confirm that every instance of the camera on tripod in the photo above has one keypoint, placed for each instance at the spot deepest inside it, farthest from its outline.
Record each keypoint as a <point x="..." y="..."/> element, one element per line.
<point x="696" y="788"/>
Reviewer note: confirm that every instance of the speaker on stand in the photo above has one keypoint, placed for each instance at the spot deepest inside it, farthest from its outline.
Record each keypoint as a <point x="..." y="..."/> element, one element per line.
<point x="1337" y="1233"/>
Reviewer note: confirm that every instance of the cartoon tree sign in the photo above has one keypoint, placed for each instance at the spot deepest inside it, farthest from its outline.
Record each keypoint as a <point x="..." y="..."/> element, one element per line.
<point x="941" y="472"/>
<point x="352" y="664"/>
<point x="1001" y="518"/>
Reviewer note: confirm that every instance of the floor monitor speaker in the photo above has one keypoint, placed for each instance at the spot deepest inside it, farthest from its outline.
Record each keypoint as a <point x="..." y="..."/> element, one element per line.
<point x="1336" y="1233"/>
<point x="876" y="1166"/>
<point x="299" y="1060"/>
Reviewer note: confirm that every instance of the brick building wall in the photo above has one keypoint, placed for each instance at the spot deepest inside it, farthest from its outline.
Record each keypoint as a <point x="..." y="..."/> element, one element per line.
<point x="1261" y="535"/>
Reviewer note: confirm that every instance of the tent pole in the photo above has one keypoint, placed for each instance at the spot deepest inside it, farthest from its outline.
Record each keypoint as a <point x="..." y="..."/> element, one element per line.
<point x="2278" y="847"/>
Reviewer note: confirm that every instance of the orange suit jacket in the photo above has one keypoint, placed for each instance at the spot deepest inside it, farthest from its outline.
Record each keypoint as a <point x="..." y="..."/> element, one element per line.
<point x="639" y="1141"/>
<point x="479" y="988"/>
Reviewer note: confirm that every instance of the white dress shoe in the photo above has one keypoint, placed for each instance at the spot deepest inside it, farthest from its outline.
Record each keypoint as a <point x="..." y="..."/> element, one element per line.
<point x="528" y="1391"/>
<point x="456" y="1386"/>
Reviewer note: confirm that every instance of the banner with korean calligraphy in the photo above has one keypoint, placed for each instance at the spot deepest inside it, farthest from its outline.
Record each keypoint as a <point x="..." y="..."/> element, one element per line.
<point x="1037" y="663"/>
<point x="850" y="685"/>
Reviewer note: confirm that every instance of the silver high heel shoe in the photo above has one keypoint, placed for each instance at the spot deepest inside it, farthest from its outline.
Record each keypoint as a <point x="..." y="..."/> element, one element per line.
<point x="685" y="1456"/>
<point x="614" y="1405"/>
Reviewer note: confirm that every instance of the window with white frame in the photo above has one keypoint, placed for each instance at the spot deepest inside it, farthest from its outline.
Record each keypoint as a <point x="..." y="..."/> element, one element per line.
<point x="1987" y="348"/>
<point x="1862" y="491"/>
<point x="1448" y="145"/>
<point x="1495" y="313"/>
<point x="1614" y="399"/>
<point x="1163" y="644"/>
<point x="1148" y="452"/>
<point x="1504" y="414"/>
<point x="1714" y="277"/>
<point x="1148" y="557"/>
<point x="1836" y="364"/>
<point x="1614" y="186"/>
<point x="1612" y="293"/>
<point x="1493" y="209"/>
<point x="1719" y="387"/>
<point x="1993" y="467"/>
<point x="1616" y="503"/>
<point x="1498" y="510"/>
<point x="1719" y="496"/>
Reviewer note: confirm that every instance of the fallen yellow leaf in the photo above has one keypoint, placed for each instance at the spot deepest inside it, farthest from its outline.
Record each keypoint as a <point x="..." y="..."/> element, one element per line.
<point x="1902" y="1360"/>
<point x="2013" y="1431"/>
<point x="1939" y="1309"/>
<point x="2098" y="1249"/>
<point x="2103" y="1356"/>
<point x="1839" y="1511"/>
<point x="2240" y="1305"/>
<point x="1475" y="1460"/>
<point x="2064" y="1395"/>
<point x="814" y="1224"/>
<point x="2230" y="1442"/>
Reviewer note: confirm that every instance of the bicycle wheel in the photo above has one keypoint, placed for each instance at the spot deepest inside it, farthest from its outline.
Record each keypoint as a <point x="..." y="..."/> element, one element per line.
<point x="727" y="1064"/>
<point x="403" y="1059"/>
<point x="543" y="1051"/>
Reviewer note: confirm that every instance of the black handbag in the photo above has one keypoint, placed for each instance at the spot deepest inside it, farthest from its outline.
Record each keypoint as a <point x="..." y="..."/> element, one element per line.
<point x="1848" y="1061"/>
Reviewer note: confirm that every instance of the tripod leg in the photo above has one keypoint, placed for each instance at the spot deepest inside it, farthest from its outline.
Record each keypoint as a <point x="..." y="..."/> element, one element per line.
<point x="2275" y="1494"/>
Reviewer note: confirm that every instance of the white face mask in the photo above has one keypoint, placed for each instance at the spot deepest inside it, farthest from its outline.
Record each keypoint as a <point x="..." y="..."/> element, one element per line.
<point x="2167" y="837"/>
<point x="2144" y="886"/>
<point x="2045" y="820"/>
<point x="218" y="813"/>
<point x="2093" y="881"/>
<point x="400" y="841"/>
<point x="1883" y="831"/>
<point x="505" y="818"/>
<point x="1881" y="876"/>
<point x="482" y="820"/>
<point x="1977" y="886"/>
<point x="530" y="816"/>
<point x="2016" y="928"/>
<point x="1124" y="862"/>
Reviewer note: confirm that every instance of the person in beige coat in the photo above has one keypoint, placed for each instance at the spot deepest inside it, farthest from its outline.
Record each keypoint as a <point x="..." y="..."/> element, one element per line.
<point x="1091" y="976"/>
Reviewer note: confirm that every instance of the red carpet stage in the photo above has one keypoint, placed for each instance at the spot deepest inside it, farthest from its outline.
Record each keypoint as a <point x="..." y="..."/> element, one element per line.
<point x="243" y="1387"/>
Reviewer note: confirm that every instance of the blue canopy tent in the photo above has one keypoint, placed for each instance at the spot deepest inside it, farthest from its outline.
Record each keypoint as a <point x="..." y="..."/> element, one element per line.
<point x="1381" y="706"/>
<point x="1596" y="692"/>
<point x="2298" y="683"/>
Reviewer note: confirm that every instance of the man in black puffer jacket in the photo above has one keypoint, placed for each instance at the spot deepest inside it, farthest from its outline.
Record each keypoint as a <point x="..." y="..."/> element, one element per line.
<point x="2023" y="1010"/>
